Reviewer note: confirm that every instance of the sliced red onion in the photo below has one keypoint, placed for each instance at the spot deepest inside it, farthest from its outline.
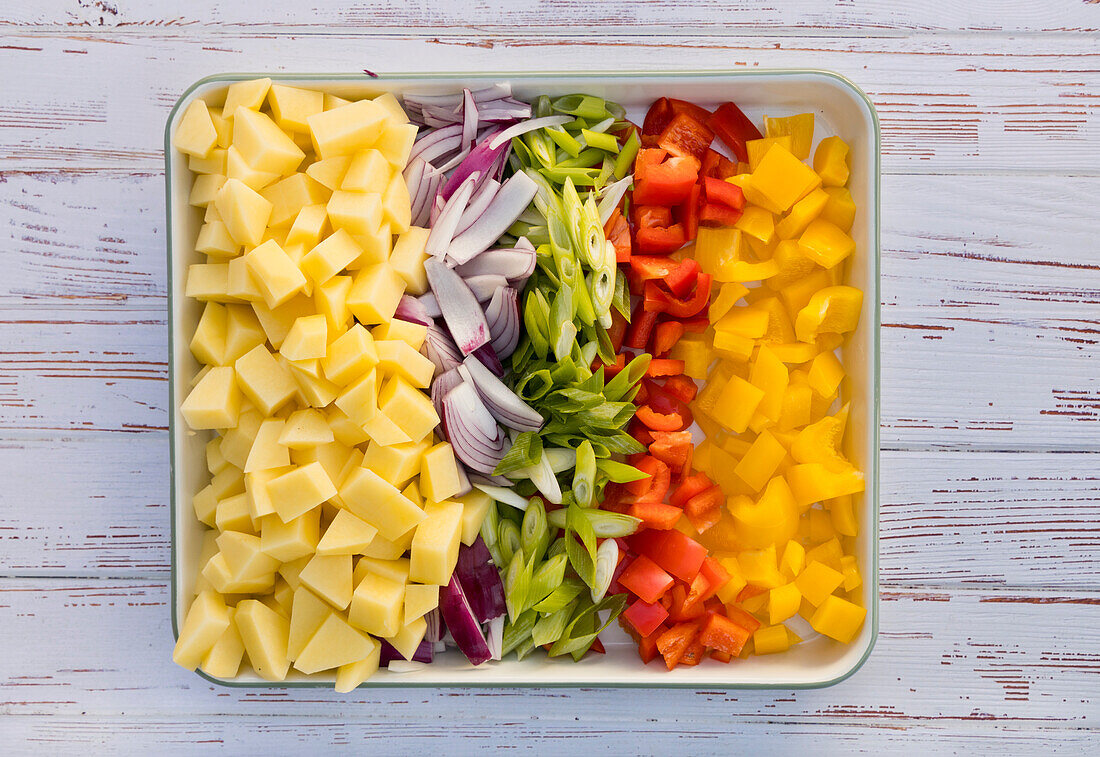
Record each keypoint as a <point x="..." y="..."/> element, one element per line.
<point x="414" y="175"/>
<point x="612" y="196"/>
<point x="437" y="143"/>
<point x="479" y="160"/>
<point x="480" y="580"/>
<point x="422" y="204"/>
<point x="502" y="315"/>
<point x="495" y="91"/>
<point x="411" y="309"/>
<point x="525" y="126"/>
<point x="456" y="160"/>
<point x="515" y="265"/>
<point x="471" y="429"/>
<point x="479" y="202"/>
<point x="469" y="118"/>
<point x="488" y="357"/>
<point x="441" y="386"/>
<point x="504" y="404"/>
<point x="496" y="637"/>
<point x="440" y="349"/>
<point x="430" y="304"/>
<point x="435" y="631"/>
<point x="389" y="653"/>
<point x="501" y="110"/>
<point x="485" y="285"/>
<point x="444" y="225"/>
<point x="512" y="199"/>
<point x="464" y="486"/>
<point x="467" y="633"/>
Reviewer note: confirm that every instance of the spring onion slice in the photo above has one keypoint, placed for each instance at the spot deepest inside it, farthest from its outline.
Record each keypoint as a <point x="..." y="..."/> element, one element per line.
<point x="508" y="541"/>
<point x="503" y="495"/>
<point x="620" y="473"/>
<point x="607" y="557"/>
<point x="569" y="589"/>
<point x="605" y="524"/>
<point x="611" y="196"/>
<point x="584" y="476"/>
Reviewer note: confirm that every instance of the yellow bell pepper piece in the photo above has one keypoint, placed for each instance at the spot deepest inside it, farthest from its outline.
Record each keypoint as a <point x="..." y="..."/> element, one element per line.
<point x="826" y="243"/>
<point x="794" y="263"/>
<point x="728" y="295"/>
<point x="758" y="148"/>
<point x="838" y="619"/>
<point x="760" y="569"/>
<point x="831" y="162"/>
<point x="832" y="310"/>
<point x="793" y="560"/>
<point x="757" y="222"/>
<point x="813" y="482"/>
<point x="736" y="404"/>
<point x="783" y="602"/>
<point x="715" y="246"/>
<point x="801" y="213"/>
<point x="763" y="250"/>
<point x="737" y="446"/>
<point x="795" y="411"/>
<point x="707" y="397"/>
<point x="820" y="442"/>
<point x="729" y="591"/>
<point x="817" y="581"/>
<point x="783" y="178"/>
<point x="795" y="353"/>
<point x="772" y="519"/>
<point x="821" y="526"/>
<point x="742" y="270"/>
<point x="748" y="321"/>
<point x="696" y="354"/>
<point x="797" y="294"/>
<point x="760" y="460"/>
<point x="828" y="553"/>
<point x="825" y="374"/>
<point x="732" y="346"/>
<point x="849" y="569"/>
<point x="780" y="329"/>
<point x="770" y="375"/>
<point x="771" y="639"/>
<point x="753" y="195"/>
<point x="840" y="209"/>
<point x="703" y="459"/>
<point x="754" y="604"/>
<point x="799" y="128"/>
<point x="842" y="512"/>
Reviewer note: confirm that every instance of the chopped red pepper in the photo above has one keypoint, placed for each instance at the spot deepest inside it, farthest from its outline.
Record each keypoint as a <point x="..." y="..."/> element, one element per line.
<point x="659" y="421"/>
<point x="662" y="402"/>
<point x="694" y="654"/>
<point x="734" y="128"/>
<point x="661" y="241"/>
<point x="723" y="193"/>
<point x="717" y="577"/>
<point x="617" y="230"/>
<point x="705" y="508"/>
<point x="658" y="301"/>
<point x="656" y="515"/>
<point x="647" y="645"/>
<point x="646" y="158"/>
<point x="664" y="367"/>
<point x="743" y="618"/>
<point x="646" y="579"/>
<point x="648" y="267"/>
<point x="687" y="213"/>
<point x="681" y="387"/>
<point x="641" y="326"/>
<point x="698" y="112"/>
<point x="674" y="551"/>
<point x="696" y="324"/>
<point x="665" y="337"/>
<point x="655" y="486"/>
<point x="685" y="135"/>
<point x="657" y="117"/>
<point x="714" y="214"/>
<point x="690" y="486"/>
<point x="724" y="635"/>
<point x="653" y="216"/>
<point x="617" y="331"/>
<point x="749" y="592"/>
<point x="682" y="278"/>
<point x="681" y="609"/>
<point x="673" y="448"/>
<point x="646" y="617"/>
<point x="666" y="183"/>
<point x="674" y="642"/>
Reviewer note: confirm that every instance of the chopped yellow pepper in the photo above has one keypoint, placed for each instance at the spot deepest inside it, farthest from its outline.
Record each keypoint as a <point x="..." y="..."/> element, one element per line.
<point x="795" y="411"/>
<point x="729" y="591"/>
<point x="800" y="128"/>
<point x="758" y="148"/>
<point x="801" y="213"/>
<point x="838" y="619"/>
<point x="783" y="178"/>
<point x="736" y="404"/>
<point x="727" y="297"/>
<point x="793" y="560"/>
<point x="840" y="209"/>
<point x="733" y="346"/>
<point x="771" y="639"/>
<point x="794" y="263"/>
<point x="826" y="243"/>
<point x="759" y="462"/>
<point x="783" y="602"/>
<point x="821" y="526"/>
<point x="797" y="294"/>
<point x="770" y="375"/>
<point x="842" y="511"/>
<point x="852" y="578"/>
<point x="825" y="374"/>
<point x="696" y="354"/>
<point x="820" y="442"/>
<point x="832" y="310"/>
<point x="828" y="553"/>
<point x="795" y="353"/>
<point x="780" y="329"/>
<point x="757" y="222"/>
<point x="817" y="581"/>
<point x="813" y="482"/>
<point x="749" y="321"/>
<point x="717" y="246"/>
<point x="772" y="519"/>
<point x="759" y="568"/>
<point x="831" y="162"/>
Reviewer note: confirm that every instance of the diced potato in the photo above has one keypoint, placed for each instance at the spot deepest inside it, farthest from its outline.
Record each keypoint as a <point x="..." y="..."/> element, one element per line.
<point x="263" y="144"/>
<point x="395" y="113"/>
<point x="408" y="407"/>
<point x="205" y="504"/>
<point x="347" y="129"/>
<point x="384" y="549"/>
<point x="204" y="189"/>
<point x="475" y="505"/>
<point x="408" y="257"/>
<point x="343" y="428"/>
<point x="331" y="256"/>
<point x="243" y="210"/>
<point x="215" y="241"/>
<point x="292" y="106"/>
<point x="263" y="380"/>
<point x="420" y="599"/>
<point x="206" y="620"/>
<point x="237" y="442"/>
<point x="234" y="514"/>
<point x="255" y="489"/>
<point x="306" y="428"/>
<point x="412" y="491"/>
<point x="308" y="226"/>
<point x="245" y="94"/>
<point x="330" y="171"/>
<point x="289" y="196"/>
<point x="334" y="644"/>
<point x="439" y="477"/>
<point x="236" y="167"/>
<point x="266" y="451"/>
<point x="289" y="571"/>
<point x="332" y="101"/>
<point x="217" y="573"/>
<point x="331" y="300"/>
<point x="290" y="541"/>
<point x="208" y="343"/>
<point x="395" y="570"/>
<point x="307" y="613"/>
<point x="346" y="535"/>
<point x="332" y="457"/>
<point x="223" y="126"/>
<point x="316" y="391"/>
<point x="307" y="340"/>
<point x="396" y="143"/>
<point x="377" y="604"/>
<point x="398" y="357"/>
<point x="228" y="482"/>
<point x="300" y="490"/>
<point x="355" y="212"/>
<point x="224" y="658"/>
<point x="350" y="356"/>
<point x="413" y="334"/>
<point x="376" y="246"/>
<point x="375" y="292"/>
<point x="240" y="284"/>
<point x="214" y="163"/>
<point x="283" y="595"/>
<point x="276" y="275"/>
<point x="368" y="171"/>
<point x="329" y="577"/>
<point x="350" y="676"/>
<point x="265" y="634"/>
<point x="379" y="503"/>
<point x="435" y="544"/>
<point x="276" y="322"/>
<point x="215" y="402"/>
<point x="396" y="210"/>
<point x="360" y="399"/>
<point x="208" y="281"/>
<point x="196" y="134"/>
<point x="384" y="431"/>
<point x="409" y="637"/>
<point x="244" y="557"/>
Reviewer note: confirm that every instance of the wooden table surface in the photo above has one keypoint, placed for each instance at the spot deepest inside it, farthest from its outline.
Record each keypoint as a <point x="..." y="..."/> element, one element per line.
<point x="990" y="527"/>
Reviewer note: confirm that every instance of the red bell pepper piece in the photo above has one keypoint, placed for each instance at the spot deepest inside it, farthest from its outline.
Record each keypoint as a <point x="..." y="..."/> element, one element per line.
<point x="698" y="112"/>
<point x="682" y="277"/>
<point x="638" y="430"/>
<point x="641" y="326"/>
<point x="724" y="635"/>
<point x="652" y="216"/>
<point x="687" y="213"/>
<point x="718" y="166"/>
<point x="647" y="580"/>
<point x="720" y="656"/>
<point x="655" y="487"/>
<point x="720" y="192"/>
<point x="734" y="128"/>
<point x="674" y="642"/>
<point x="617" y="230"/>
<point x="716" y="576"/>
<point x="646" y="158"/>
<point x="714" y="214"/>
<point x="648" y="267"/>
<point x="666" y="183"/>
<point x="674" y="551"/>
<point x="657" y="117"/>
<point x="658" y="301"/>
<point x="646" y="617"/>
<point x="672" y="448"/>
<point x="689" y="487"/>
<point x="661" y="241"/>
<point x="681" y="608"/>
<point x="696" y="324"/>
<point x="743" y="618"/>
<point x="665" y="337"/>
<point x="656" y="515"/>
<point x="647" y="645"/>
<point x="664" y="367"/>
<point x="659" y="421"/>
<point x="705" y="508"/>
<point x="662" y="402"/>
<point x="610" y="370"/>
<point x="685" y="135"/>
<point x="680" y="387"/>
<point x="694" y="654"/>
<point x="617" y="331"/>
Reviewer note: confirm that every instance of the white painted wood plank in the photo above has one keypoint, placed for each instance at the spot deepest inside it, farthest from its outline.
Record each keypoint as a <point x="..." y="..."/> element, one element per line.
<point x="568" y="16"/>
<point x="947" y="103"/>
<point x="962" y="656"/>
<point x="947" y="519"/>
<point x="625" y="733"/>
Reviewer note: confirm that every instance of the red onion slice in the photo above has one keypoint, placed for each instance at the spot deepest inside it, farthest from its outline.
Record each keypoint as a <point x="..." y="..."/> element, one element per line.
<point x="444" y="225"/>
<point x="443" y="384"/>
<point x="515" y="265"/>
<point x="487" y="356"/>
<point x="458" y="305"/>
<point x="478" y="441"/>
<point x="461" y="622"/>
<point x="439" y="348"/>
<point x="525" y="126"/>
<point x="512" y="199"/>
<point x="504" y="404"/>
<point x="479" y="160"/>
<point x="411" y="309"/>
<point x="425" y="194"/>
<point x="437" y="143"/>
<point x="502" y="315"/>
<point x="479" y="202"/>
<point x="469" y="118"/>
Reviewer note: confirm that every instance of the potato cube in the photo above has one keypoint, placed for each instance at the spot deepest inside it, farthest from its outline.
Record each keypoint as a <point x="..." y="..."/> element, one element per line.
<point x="195" y="134"/>
<point x="379" y="503"/>
<point x="376" y="246"/>
<point x="475" y="505"/>
<point x="289" y="196"/>
<point x="368" y="171"/>
<point x="215" y="402"/>
<point x="265" y="633"/>
<point x="347" y="129"/>
<point x="224" y="658"/>
<point x="408" y="257"/>
<point x="420" y="599"/>
<point x="439" y="477"/>
<point x="332" y="457"/>
<point x="234" y="514"/>
<point x="330" y="171"/>
<point x="243" y="210"/>
<point x="307" y="339"/>
<point x="397" y="463"/>
<point x="384" y="431"/>
<point x="409" y="637"/>
<point x="307" y="613"/>
<point x="350" y="676"/>
<point x="302" y="489"/>
<point x="413" y="334"/>
<point x="255" y="490"/>
<point x="334" y="644"/>
<point x="237" y="442"/>
<point x="412" y="491"/>
<point x="276" y="322"/>
<point x="346" y="535"/>
<point x="396" y="143"/>
<point x="244" y="557"/>
<point x="396" y="210"/>
<point x="329" y="577"/>
<point x="359" y="400"/>
<point x="375" y="292"/>
<point x="208" y="281"/>
<point x="395" y="113"/>
<point x="276" y="275"/>
<point x="289" y="571"/>
<point x="223" y="126"/>
<point x="208" y="343"/>
<point x="308" y="226"/>
<point x="435" y="544"/>
<point x="236" y="167"/>
<point x="331" y="256"/>
<point x="204" y="188"/>
<point x="263" y="144"/>
<point x="376" y="605"/>
<point x="215" y="241"/>
<point x="245" y="94"/>
<point x="205" y="504"/>
<point x="344" y="430"/>
<point x="240" y="284"/>
<point x="214" y="163"/>
<point x="292" y="106"/>
<point x="332" y="101"/>
<point x="306" y="428"/>
<point x="399" y="358"/>
<point x="315" y="391"/>
<point x="411" y="409"/>
<point x="243" y="331"/>
<point x="265" y="382"/>
<point x="228" y="482"/>
<point x="396" y="569"/>
<point x="384" y="549"/>
<point x="290" y="541"/>
<point x="266" y="452"/>
<point x="206" y="621"/>
<point x="355" y="212"/>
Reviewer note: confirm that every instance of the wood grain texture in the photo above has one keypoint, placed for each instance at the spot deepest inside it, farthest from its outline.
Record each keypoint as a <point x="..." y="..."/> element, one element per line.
<point x="946" y="103"/>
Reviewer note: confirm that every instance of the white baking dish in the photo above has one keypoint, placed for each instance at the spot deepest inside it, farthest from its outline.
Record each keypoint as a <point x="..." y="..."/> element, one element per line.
<point x="840" y="108"/>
